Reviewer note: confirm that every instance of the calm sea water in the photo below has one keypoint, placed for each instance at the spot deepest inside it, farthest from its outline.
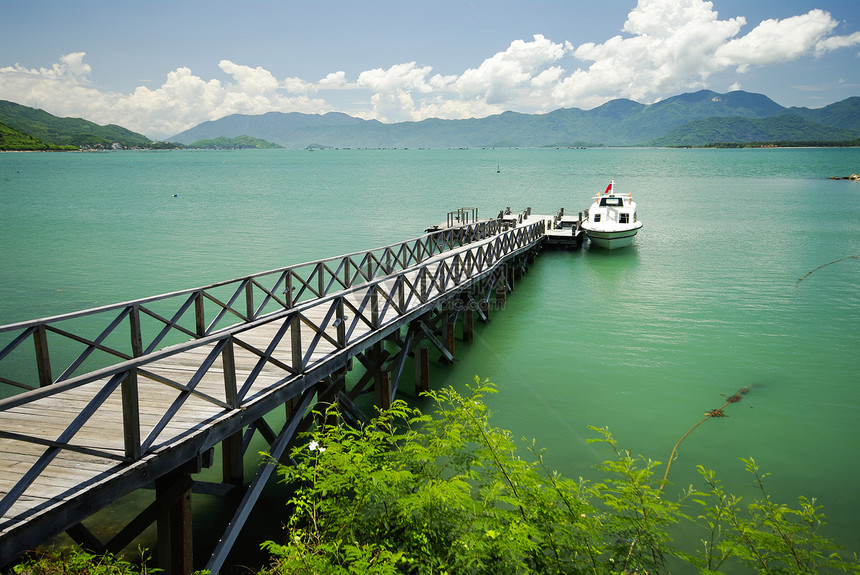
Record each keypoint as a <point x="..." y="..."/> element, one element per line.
<point x="642" y="340"/>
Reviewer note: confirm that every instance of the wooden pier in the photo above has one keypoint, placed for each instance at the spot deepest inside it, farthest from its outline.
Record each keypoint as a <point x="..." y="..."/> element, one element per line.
<point x="140" y="394"/>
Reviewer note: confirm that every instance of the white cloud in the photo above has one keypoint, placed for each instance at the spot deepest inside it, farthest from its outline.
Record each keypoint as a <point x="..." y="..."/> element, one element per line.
<point x="775" y="41"/>
<point x="74" y="64"/>
<point x="398" y="77"/>
<point x="665" y="47"/>
<point x="504" y="76"/>
<point x="670" y="49"/>
<point x="836" y="42"/>
<point x="334" y="80"/>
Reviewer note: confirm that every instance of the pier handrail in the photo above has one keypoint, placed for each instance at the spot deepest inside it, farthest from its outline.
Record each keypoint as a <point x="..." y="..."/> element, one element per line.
<point x="198" y="312"/>
<point x="347" y="322"/>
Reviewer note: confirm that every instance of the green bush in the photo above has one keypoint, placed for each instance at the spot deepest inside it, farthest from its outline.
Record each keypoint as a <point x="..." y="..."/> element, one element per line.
<point x="74" y="561"/>
<point x="449" y="493"/>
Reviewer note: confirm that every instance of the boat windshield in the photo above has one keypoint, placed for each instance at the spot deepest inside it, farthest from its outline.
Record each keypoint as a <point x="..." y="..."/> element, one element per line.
<point x="610" y="201"/>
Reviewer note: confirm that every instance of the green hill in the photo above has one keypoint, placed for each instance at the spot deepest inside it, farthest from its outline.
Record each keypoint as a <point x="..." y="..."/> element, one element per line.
<point x="67" y="131"/>
<point x="845" y="114"/>
<point x="237" y="143"/>
<point x="12" y="139"/>
<point x="775" y="129"/>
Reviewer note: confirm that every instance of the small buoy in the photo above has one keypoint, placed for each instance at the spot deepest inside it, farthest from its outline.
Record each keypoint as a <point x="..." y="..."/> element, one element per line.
<point x="175" y="195"/>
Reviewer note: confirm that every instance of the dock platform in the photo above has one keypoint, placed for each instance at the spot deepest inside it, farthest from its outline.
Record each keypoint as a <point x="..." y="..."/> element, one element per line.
<point x="180" y="375"/>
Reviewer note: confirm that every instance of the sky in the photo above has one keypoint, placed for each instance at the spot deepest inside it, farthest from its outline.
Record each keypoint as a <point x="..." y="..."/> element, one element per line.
<point x="159" y="67"/>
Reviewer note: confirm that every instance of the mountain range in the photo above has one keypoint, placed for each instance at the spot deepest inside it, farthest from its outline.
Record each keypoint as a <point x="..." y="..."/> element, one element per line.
<point x="692" y="119"/>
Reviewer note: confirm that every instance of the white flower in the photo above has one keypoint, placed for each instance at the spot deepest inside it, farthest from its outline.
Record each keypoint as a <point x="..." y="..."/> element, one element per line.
<point x="314" y="446"/>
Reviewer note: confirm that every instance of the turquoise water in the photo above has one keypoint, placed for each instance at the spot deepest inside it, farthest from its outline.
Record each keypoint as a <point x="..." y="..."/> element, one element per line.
<point x="642" y="340"/>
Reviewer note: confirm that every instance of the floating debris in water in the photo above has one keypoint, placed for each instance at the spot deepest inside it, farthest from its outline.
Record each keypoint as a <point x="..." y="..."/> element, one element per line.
<point x="822" y="266"/>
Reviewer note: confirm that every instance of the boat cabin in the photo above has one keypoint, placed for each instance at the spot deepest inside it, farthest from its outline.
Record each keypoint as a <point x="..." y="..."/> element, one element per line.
<point x="611" y="201"/>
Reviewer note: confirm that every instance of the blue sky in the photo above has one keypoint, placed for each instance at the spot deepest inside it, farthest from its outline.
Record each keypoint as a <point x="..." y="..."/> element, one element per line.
<point x="160" y="67"/>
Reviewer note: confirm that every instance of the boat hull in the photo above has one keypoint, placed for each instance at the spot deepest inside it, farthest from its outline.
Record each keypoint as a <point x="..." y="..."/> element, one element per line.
<point x="612" y="240"/>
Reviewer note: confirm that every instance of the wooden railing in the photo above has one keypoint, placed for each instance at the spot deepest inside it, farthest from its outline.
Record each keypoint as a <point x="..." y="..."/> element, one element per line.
<point x="62" y="346"/>
<point x="350" y="318"/>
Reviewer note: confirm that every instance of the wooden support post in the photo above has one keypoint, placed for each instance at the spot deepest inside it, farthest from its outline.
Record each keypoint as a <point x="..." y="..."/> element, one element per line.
<point x="422" y="369"/>
<point x="289" y="406"/>
<point x="449" y="336"/>
<point x="468" y="322"/>
<point x="175" y="549"/>
<point x="382" y="390"/>
<point x="232" y="466"/>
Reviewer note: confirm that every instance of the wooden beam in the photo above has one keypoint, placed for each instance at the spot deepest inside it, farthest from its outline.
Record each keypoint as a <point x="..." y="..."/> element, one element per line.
<point x="85" y="538"/>
<point x="264" y="472"/>
<point x="435" y="341"/>
<point x="400" y="361"/>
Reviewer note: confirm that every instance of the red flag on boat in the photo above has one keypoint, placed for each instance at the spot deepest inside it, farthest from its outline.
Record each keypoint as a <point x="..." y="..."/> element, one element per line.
<point x="609" y="187"/>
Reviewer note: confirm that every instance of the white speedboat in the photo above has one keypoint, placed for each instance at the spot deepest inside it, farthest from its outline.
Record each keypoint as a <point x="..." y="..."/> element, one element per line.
<point x="612" y="219"/>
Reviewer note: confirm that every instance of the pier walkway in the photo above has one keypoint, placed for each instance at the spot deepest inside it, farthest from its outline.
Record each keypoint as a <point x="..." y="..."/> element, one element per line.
<point x="137" y="395"/>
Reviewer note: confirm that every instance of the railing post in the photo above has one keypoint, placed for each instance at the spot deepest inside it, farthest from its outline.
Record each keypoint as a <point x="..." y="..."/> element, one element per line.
<point x="199" y="314"/>
<point x="422" y="289"/>
<point x="288" y="289"/>
<point x="43" y="359"/>
<point x="346" y="275"/>
<point x="320" y="280"/>
<point x="374" y="306"/>
<point x="296" y="342"/>
<point x="341" y="324"/>
<point x="136" y="335"/>
<point x="249" y="300"/>
<point x="131" y="416"/>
